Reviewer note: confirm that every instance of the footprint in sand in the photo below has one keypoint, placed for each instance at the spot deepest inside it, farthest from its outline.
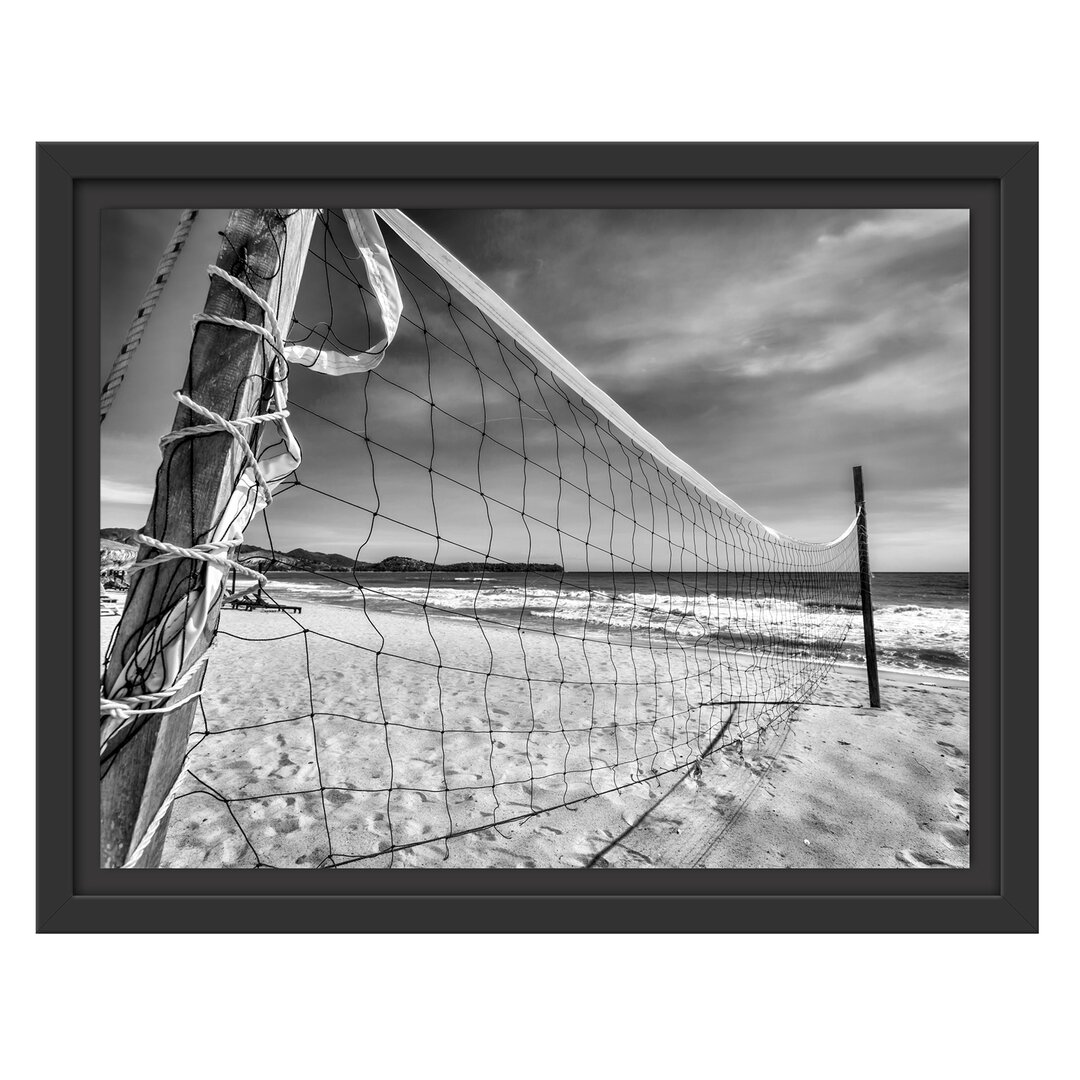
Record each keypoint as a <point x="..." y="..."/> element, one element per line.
<point x="954" y="757"/>
<point x="920" y="860"/>
<point x="948" y="832"/>
<point x="960" y="805"/>
<point x="631" y="857"/>
<point x="759" y="765"/>
<point x="578" y="859"/>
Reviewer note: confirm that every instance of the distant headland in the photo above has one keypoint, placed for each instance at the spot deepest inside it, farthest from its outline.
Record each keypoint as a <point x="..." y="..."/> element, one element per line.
<point x="300" y="559"/>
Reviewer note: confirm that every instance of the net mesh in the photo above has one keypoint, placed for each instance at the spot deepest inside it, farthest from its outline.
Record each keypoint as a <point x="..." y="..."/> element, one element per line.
<point x="518" y="607"/>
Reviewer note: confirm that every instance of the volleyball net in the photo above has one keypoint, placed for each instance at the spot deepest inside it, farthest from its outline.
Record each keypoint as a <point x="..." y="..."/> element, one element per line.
<point x="462" y="588"/>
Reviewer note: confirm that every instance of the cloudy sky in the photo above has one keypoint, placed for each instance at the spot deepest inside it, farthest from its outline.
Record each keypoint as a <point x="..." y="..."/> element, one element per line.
<point x="770" y="349"/>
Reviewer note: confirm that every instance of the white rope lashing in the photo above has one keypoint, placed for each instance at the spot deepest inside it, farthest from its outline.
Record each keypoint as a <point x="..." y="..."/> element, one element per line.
<point x="126" y="708"/>
<point x="123" y="709"/>
<point x="209" y="553"/>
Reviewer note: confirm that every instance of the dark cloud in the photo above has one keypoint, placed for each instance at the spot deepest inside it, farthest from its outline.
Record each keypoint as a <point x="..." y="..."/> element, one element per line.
<point x="769" y="349"/>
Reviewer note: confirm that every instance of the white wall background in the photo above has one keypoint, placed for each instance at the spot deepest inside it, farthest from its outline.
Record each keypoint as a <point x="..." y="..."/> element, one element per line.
<point x="886" y="1007"/>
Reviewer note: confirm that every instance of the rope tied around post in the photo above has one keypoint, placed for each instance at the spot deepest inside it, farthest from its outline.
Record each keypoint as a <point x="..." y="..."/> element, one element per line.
<point x="123" y="710"/>
<point x="214" y="553"/>
<point x="271" y="333"/>
<point x="235" y="428"/>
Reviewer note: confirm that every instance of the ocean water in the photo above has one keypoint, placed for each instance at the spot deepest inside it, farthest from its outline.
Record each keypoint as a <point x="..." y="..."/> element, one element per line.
<point x="921" y="620"/>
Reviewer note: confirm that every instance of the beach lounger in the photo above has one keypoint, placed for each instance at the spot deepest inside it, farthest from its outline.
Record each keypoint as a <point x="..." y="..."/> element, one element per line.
<point x="259" y="601"/>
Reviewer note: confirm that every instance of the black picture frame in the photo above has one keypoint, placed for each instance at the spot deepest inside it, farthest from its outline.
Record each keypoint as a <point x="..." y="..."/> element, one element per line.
<point x="998" y="181"/>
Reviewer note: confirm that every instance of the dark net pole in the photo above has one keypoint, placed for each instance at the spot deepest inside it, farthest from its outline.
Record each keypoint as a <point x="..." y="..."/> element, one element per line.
<point x="864" y="588"/>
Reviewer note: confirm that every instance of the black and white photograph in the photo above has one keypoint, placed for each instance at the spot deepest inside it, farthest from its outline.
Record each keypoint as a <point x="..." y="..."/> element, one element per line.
<point x="602" y="601"/>
<point x="535" y="538"/>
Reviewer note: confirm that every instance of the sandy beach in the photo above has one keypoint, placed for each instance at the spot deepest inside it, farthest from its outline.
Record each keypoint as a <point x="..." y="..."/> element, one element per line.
<point x="845" y="786"/>
<point x="293" y="771"/>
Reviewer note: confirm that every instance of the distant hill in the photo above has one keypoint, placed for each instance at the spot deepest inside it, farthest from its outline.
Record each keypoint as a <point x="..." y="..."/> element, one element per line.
<point x="313" y="561"/>
<point x="302" y="559"/>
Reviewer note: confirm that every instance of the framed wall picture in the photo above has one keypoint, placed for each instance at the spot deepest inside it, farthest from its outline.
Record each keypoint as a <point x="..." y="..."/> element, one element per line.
<point x="606" y="537"/>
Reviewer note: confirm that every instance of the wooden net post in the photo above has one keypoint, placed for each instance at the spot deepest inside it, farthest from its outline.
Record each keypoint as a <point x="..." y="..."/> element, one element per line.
<point x="864" y="588"/>
<point x="266" y="249"/>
